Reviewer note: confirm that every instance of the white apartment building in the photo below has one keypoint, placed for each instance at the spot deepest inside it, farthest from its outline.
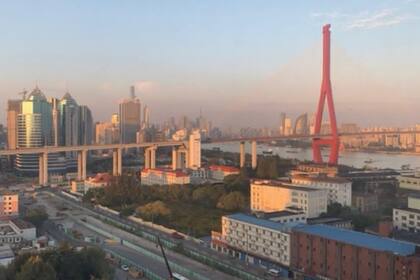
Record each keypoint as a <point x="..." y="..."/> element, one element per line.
<point x="273" y="196"/>
<point x="339" y="189"/>
<point x="160" y="176"/>
<point x="408" y="219"/>
<point x="250" y="238"/>
<point x="409" y="182"/>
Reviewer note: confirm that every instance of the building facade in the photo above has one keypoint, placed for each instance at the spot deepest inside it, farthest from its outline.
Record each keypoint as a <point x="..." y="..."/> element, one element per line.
<point x="219" y="172"/>
<point x="9" y="204"/>
<point x="339" y="189"/>
<point x="407" y="219"/>
<point x="130" y="118"/>
<point x="13" y="110"/>
<point x="249" y="238"/>
<point x="194" y="150"/>
<point x="326" y="252"/>
<point x="272" y="196"/>
<point x="161" y="176"/>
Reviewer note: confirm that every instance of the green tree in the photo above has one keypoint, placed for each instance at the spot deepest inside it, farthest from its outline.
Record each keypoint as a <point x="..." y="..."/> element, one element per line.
<point x="154" y="210"/>
<point x="34" y="269"/>
<point x="36" y="216"/>
<point x="232" y="201"/>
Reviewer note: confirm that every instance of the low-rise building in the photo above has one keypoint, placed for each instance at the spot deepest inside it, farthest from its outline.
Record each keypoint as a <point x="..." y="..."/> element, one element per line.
<point x="254" y="240"/>
<point x="9" y="204"/>
<point x="219" y="172"/>
<point x="326" y="252"/>
<point x="284" y="216"/>
<point x="14" y="231"/>
<point x="77" y="186"/>
<point x="408" y="219"/>
<point x="365" y="202"/>
<point x="100" y="180"/>
<point x="273" y="196"/>
<point x="409" y="182"/>
<point x="339" y="189"/>
<point x="6" y="255"/>
<point x="161" y="176"/>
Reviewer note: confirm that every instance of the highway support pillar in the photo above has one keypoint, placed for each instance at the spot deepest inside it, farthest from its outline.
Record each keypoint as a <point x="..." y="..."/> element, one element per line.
<point x="119" y="161"/>
<point x="81" y="165"/>
<point x="146" y="158"/>
<point x="254" y="154"/>
<point x="241" y="154"/>
<point x="174" y="158"/>
<point x="153" y="157"/>
<point x="43" y="169"/>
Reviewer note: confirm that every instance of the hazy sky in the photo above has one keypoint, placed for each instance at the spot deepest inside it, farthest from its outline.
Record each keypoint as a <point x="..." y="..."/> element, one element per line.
<point x="242" y="61"/>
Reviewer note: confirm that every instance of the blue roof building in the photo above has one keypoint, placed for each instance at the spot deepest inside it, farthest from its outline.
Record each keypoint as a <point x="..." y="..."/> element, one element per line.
<point x="359" y="239"/>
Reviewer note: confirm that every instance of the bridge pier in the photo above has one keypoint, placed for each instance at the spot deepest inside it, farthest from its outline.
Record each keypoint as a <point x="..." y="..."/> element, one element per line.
<point x="254" y="154"/>
<point x="174" y="158"/>
<point x="150" y="158"/>
<point x="81" y="165"/>
<point x="153" y="157"/>
<point x="241" y="154"/>
<point x="43" y="169"/>
<point x="117" y="162"/>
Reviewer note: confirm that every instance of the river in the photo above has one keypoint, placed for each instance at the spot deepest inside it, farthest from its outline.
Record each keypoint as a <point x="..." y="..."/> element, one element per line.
<point x="355" y="159"/>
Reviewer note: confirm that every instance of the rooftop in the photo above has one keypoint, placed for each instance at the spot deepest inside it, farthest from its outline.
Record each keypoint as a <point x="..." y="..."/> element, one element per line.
<point x="328" y="179"/>
<point x="359" y="239"/>
<point x="283" y="213"/>
<point x="280" y="184"/>
<point x="166" y="171"/>
<point x="262" y="222"/>
<point x="224" y="168"/>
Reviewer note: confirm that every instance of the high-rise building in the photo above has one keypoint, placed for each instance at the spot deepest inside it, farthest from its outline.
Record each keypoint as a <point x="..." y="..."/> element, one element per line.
<point x="194" y="147"/>
<point x="146" y="117"/>
<point x="301" y="125"/>
<point x="115" y="119"/>
<point x="417" y="139"/>
<point x="282" y="123"/>
<point x="55" y="121"/>
<point x="69" y="120"/>
<point x="130" y="118"/>
<point x="13" y="110"/>
<point x="287" y="126"/>
<point x="34" y="129"/>
<point x="86" y="126"/>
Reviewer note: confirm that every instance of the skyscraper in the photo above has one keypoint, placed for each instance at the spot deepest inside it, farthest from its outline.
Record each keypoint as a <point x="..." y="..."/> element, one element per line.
<point x="69" y="121"/>
<point x="55" y="121"/>
<point x="146" y="117"/>
<point x="86" y="126"/>
<point x="34" y="129"/>
<point x="194" y="150"/>
<point x="130" y="118"/>
<point x="13" y="110"/>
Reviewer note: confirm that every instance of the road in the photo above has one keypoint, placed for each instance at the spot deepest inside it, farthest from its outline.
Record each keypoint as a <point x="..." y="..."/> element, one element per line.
<point x="148" y="255"/>
<point x="231" y="263"/>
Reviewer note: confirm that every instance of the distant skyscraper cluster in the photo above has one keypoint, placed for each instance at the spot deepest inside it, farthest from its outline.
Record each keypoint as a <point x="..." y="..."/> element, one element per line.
<point x="35" y="121"/>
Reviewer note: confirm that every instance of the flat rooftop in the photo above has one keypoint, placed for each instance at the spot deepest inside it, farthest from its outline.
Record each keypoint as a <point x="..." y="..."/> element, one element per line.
<point x="282" y="213"/>
<point x="282" y="184"/>
<point x="337" y="180"/>
<point x="359" y="239"/>
<point x="262" y="222"/>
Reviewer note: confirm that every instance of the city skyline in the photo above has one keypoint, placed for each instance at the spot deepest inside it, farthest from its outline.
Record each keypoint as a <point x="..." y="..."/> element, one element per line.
<point x="245" y="69"/>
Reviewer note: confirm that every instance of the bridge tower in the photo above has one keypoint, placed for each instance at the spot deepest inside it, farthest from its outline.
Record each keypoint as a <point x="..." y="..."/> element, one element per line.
<point x="326" y="93"/>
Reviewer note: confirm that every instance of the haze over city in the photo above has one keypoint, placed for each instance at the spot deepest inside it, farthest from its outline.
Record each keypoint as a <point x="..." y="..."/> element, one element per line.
<point x="242" y="62"/>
